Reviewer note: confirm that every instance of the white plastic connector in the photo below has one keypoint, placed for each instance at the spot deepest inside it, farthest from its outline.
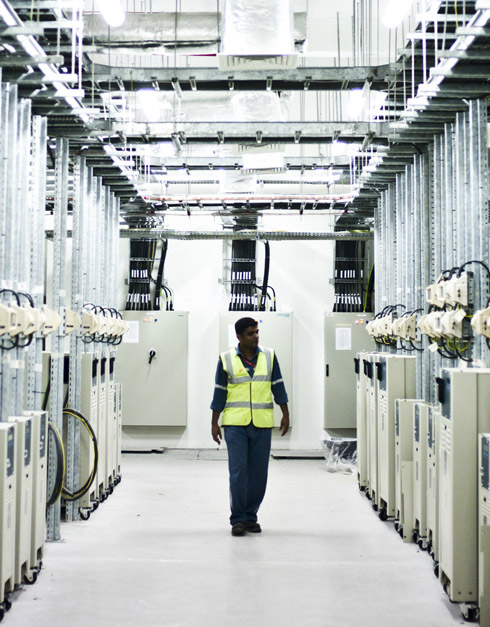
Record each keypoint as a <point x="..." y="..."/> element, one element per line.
<point x="89" y="323"/>
<point x="481" y="322"/>
<point x="458" y="288"/>
<point x="452" y="323"/>
<point x="53" y="321"/>
<point x="7" y="319"/>
<point x="72" y="321"/>
<point x="23" y="319"/>
<point x="432" y="294"/>
<point x="38" y="318"/>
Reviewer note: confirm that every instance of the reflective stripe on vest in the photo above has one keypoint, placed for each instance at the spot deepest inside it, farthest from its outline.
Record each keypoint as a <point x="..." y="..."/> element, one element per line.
<point x="248" y="398"/>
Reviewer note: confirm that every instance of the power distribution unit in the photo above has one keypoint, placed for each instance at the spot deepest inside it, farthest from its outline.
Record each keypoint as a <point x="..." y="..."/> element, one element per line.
<point x="23" y="454"/>
<point x="420" y="424"/>
<point x="404" y="410"/>
<point x="102" y="475"/>
<point x="372" y="426"/>
<point x="361" y="418"/>
<point x="484" y="529"/>
<point x="152" y="366"/>
<point x="395" y="378"/>
<point x="111" y="405"/>
<point x="464" y="395"/>
<point x="118" y="392"/>
<point x="433" y="427"/>
<point x="345" y="335"/>
<point x="8" y="488"/>
<point x="275" y="331"/>
<point x="39" y="436"/>
<point x="89" y="408"/>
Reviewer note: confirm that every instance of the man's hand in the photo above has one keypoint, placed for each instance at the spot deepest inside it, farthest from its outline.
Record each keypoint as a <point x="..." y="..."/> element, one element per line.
<point x="216" y="433"/>
<point x="284" y="424"/>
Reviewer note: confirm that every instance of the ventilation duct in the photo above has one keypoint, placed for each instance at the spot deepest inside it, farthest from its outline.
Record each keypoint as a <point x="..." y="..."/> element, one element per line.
<point x="257" y="35"/>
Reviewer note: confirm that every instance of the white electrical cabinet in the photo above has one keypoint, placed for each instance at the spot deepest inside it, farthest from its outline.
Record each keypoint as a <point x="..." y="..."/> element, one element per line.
<point x="102" y="476"/>
<point x="89" y="408"/>
<point x="484" y="529"/>
<point x="152" y="366"/>
<point x="111" y="405"/>
<point x="464" y="395"/>
<point x="275" y="331"/>
<point x="118" y="391"/>
<point x="39" y="434"/>
<point x="361" y="418"/>
<point x="433" y="426"/>
<point x="404" y="410"/>
<point x="395" y="378"/>
<point x="372" y="427"/>
<point x="23" y="454"/>
<point x="8" y="486"/>
<point x="345" y="335"/>
<point x="420" y="424"/>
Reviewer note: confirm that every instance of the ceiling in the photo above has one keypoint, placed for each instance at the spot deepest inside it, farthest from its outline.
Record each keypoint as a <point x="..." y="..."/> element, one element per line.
<point x="239" y="108"/>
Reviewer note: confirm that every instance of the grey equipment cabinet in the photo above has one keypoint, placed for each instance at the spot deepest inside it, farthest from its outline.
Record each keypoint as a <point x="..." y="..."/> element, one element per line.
<point x="152" y="367"/>
<point x="345" y="336"/>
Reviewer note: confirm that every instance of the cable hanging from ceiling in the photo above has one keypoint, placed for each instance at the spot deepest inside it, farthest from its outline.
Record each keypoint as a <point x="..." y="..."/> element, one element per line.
<point x="246" y="294"/>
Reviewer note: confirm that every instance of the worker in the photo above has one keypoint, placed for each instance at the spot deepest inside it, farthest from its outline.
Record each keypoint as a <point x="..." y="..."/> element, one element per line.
<point x="246" y="379"/>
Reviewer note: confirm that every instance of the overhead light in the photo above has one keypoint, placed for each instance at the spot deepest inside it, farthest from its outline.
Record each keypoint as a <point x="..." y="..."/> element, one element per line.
<point x="395" y="12"/>
<point x="112" y="12"/>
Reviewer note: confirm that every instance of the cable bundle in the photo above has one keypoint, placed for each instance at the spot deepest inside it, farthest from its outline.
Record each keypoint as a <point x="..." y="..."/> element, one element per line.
<point x="352" y="287"/>
<point x="246" y="295"/>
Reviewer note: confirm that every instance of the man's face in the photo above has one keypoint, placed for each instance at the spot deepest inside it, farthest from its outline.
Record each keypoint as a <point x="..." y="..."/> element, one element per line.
<point x="249" y="339"/>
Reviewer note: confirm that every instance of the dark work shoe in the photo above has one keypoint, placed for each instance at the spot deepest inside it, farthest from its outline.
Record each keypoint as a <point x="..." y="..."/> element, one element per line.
<point x="253" y="527"/>
<point x="238" y="529"/>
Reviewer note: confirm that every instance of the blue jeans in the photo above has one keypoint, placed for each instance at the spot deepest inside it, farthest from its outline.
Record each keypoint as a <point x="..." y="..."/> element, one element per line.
<point x="248" y="462"/>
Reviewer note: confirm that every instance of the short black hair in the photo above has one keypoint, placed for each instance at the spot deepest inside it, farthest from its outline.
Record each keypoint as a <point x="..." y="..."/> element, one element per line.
<point x="244" y="323"/>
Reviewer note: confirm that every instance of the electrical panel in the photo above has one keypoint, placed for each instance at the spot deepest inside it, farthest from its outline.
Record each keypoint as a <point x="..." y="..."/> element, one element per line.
<point x="89" y="408"/>
<point x="152" y="366"/>
<point x="420" y="425"/>
<point x="404" y="410"/>
<point x="345" y="335"/>
<point x="372" y="426"/>
<point x="395" y="378"/>
<point x="433" y="427"/>
<point x="39" y="435"/>
<point x="102" y="478"/>
<point x="8" y="487"/>
<point x="484" y="528"/>
<point x="111" y="405"/>
<point x="362" y="382"/>
<point x="23" y="507"/>
<point x="275" y="331"/>
<point x="464" y="396"/>
<point x="118" y="391"/>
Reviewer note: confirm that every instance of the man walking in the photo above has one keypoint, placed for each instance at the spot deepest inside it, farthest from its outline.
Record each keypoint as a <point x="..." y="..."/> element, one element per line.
<point x="246" y="379"/>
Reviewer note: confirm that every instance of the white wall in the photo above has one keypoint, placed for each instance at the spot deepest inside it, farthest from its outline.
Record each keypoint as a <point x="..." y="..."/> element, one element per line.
<point x="300" y="273"/>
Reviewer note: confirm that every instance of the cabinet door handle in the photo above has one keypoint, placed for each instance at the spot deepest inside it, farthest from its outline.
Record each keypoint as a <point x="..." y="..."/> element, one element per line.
<point x="327" y="370"/>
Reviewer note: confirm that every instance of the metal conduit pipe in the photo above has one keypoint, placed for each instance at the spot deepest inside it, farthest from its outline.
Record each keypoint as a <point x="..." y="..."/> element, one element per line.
<point x="234" y="235"/>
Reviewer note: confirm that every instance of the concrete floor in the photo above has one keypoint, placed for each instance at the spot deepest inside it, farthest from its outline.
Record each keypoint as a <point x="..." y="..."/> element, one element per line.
<point x="159" y="552"/>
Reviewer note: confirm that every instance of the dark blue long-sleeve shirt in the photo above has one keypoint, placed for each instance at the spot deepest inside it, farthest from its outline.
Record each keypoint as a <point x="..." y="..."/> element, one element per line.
<point x="221" y="381"/>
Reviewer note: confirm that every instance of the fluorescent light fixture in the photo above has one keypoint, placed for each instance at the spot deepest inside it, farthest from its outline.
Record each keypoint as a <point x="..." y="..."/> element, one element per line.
<point x="9" y="48"/>
<point x="30" y="45"/>
<point x="112" y="12"/>
<point x="263" y="161"/>
<point x="395" y="12"/>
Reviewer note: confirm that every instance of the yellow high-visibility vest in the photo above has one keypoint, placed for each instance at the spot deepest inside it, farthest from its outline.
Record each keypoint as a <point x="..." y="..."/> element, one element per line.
<point x="249" y="399"/>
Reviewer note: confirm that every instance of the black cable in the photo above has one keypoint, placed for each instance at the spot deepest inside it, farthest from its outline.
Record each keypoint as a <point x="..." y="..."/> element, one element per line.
<point x="73" y="496"/>
<point x="60" y="463"/>
<point x="159" y="279"/>
<point x="265" y="282"/>
<point x="474" y="261"/>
